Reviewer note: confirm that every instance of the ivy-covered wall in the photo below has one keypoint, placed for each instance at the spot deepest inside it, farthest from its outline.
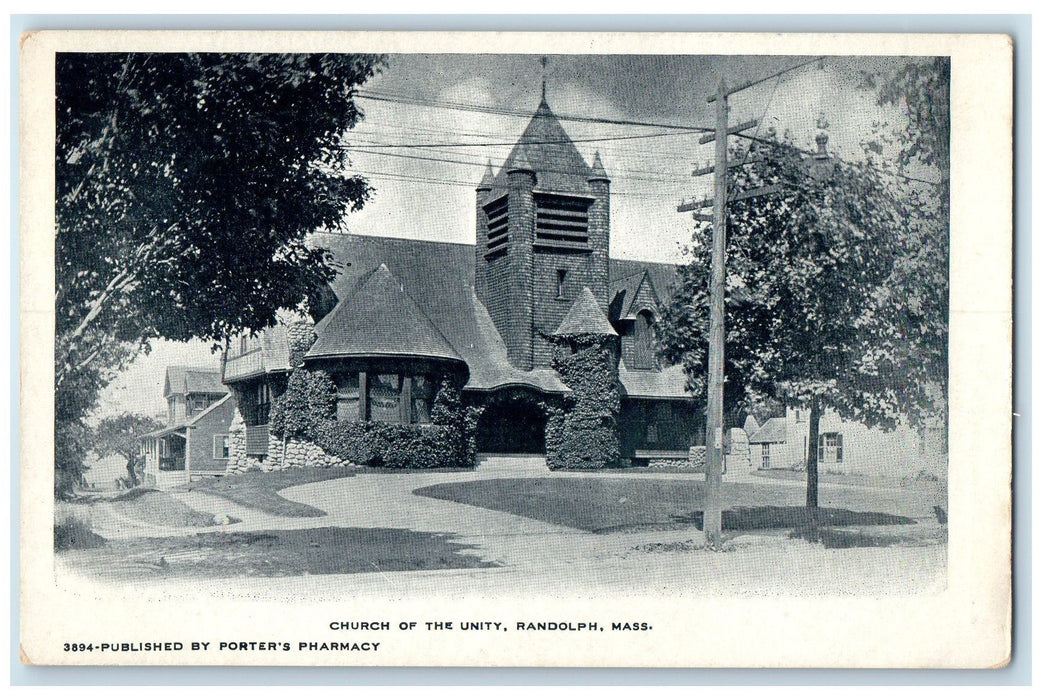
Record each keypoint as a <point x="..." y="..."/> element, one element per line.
<point x="306" y="412"/>
<point x="582" y="429"/>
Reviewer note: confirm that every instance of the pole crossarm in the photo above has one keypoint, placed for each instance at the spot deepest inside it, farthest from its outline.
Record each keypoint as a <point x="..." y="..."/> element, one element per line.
<point x="748" y="194"/>
<point x="710" y="169"/>
<point x="744" y="126"/>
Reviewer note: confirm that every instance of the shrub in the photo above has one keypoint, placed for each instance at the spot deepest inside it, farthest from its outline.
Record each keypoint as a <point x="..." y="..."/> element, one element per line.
<point x="392" y="446"/>
<point x="309" y="399"/>
<point x="449" y="442"/>
<point x="582" y="429"/>
<point x="75" y="533"/>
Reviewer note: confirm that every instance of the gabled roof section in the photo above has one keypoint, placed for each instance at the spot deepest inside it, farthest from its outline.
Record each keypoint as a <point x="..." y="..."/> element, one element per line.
<point x="546" y="149"/>
<point x="773" y="431"/>
<point x="668" y="383"/>
<point x="192" y="380"/>
<point x="380" y="320"/>
<point x="585" y="317"/>
<point x="631" y="294"/>
<point x="664" y="276"/>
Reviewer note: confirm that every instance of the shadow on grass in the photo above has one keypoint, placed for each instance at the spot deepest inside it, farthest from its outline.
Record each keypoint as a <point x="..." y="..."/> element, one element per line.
<point x="276" y="553"/>
<point x="259" y="490"/>
<point x="785" y="517"/>
<point x="604" y="505"/>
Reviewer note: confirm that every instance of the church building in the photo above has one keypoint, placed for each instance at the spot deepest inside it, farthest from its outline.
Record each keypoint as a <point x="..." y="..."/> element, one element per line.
<point x="549" y="340"/>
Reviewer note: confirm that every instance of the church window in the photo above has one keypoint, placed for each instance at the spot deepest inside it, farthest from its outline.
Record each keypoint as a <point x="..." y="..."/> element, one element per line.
<point x="384" y="396"/>
<point x="422" y="398"/>
<point x="347" y="397"/>
<point x="644" y="341"/>
<point x="562" y="275"/>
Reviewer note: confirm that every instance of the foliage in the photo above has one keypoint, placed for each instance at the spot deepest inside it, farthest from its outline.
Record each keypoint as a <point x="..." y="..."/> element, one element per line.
<point x="121" y="435"/>
<point x="307" y="410"/>
<point x="921" y="88"/>
<point x="185" y="187"/>
<point x="582" y="429"/>
<point x="813" y="296"/>
<point x="309" y="399"/>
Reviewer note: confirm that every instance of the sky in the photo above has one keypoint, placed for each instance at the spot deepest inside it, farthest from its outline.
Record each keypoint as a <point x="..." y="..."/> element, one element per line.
<point x="424" y="161"/>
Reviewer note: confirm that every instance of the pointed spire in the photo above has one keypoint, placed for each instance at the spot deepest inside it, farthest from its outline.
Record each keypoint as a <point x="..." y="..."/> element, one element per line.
<point x="520" y="164"/>
<point x="487" y="178"/>
<point x="597" y="172"/>
<point x="543" y="100"/>
<point x="585" y="318"/>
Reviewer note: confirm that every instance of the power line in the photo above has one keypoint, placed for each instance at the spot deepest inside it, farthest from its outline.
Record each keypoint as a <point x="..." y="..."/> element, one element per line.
<point x="534" y="143"/>
<point x="505" y="111"/>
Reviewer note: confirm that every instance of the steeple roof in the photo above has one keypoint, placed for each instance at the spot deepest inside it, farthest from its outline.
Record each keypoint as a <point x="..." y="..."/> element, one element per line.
<point x="585" y="317"/>
<point x="597" y="170"/>
<point x="379" y="319"/>
<point x="550" y="153"/>
<point x="487" y="178"/>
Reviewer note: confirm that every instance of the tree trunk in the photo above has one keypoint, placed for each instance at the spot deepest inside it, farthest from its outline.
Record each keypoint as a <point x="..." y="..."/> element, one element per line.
<point x="812" y="456"/>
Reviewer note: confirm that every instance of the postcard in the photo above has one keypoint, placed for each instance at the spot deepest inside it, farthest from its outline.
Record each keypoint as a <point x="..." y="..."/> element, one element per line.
<point x="516" y="349"/>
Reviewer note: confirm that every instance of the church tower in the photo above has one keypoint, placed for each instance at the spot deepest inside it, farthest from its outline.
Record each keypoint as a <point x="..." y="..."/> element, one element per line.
<point x="542" y="237"/>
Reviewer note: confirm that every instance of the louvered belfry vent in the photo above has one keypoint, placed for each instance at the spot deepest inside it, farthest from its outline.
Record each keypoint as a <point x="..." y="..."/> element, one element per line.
<point x="562" y="222"/>
<point x="498" y="233"/>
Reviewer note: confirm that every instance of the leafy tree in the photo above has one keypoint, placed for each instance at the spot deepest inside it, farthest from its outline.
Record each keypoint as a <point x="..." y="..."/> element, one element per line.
<point x="186" y="185"/>
<point x="920" y="148"/>
<point x="121" y="435"/>
<point x="807" y="292"/>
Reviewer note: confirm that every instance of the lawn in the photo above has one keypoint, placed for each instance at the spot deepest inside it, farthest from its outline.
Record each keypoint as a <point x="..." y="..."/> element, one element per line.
<point x="270" y="553"/>
<point x="605" y="504"/>
<point x="259" y="490"/>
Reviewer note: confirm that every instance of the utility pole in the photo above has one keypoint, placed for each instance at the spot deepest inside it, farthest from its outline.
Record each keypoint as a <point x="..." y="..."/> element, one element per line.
<point x="712" y="514"/>
<point x="712" y="518"/>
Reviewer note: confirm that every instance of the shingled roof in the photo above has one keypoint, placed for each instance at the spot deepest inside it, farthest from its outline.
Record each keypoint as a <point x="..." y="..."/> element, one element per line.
<point x="773" y="431"/>
<point x="439" y="279"/>
<point x="193" y="380"/>
<point x="546" y="149"/>
<point x="379" y="319"/>
<point x="585" y="317"/>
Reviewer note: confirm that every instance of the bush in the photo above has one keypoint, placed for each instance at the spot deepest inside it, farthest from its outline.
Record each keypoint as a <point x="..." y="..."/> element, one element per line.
<point x="75" y="533"/>
<point x="392" y="446"/>
<point x="582" y="429"/>
<point x="309" y="399"/>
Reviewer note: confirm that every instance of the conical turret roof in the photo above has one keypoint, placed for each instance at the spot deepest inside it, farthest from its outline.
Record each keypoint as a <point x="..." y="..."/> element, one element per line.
<point x="487" y="178"/>
<point x="380" y="319"/>
<point x="550" y="153"/>
<point x="585" y="318"/>
<point x="597" y="171"/>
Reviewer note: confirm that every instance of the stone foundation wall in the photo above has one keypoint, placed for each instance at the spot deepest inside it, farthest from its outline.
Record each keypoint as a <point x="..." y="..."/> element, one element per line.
<point x="295" y="453"/>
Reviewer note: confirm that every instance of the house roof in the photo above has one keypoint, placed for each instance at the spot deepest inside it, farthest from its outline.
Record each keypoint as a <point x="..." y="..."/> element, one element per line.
<point x="193" y="380"/>
<point x="585" y="317"/>
<point x="546" y="149"/>
<point x="667" y="383"/>
<point x="773" y="430"/>
<point x="191" y="421"/>
<point x="626" y="276"/>
<point x="379" y="319"/>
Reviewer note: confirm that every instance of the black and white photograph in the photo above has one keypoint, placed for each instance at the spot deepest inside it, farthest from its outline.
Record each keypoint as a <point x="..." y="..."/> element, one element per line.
<point x="402" y="350"/>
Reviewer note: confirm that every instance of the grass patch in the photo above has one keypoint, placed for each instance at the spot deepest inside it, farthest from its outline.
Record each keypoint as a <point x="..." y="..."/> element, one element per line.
<point x="783" y="517"/>
<point x="158" y="508"/>
<point x="75" y="533"/>
<point x="606" y="504"/>
<point x="259" y="490"/>
<point x="273" y="553"/>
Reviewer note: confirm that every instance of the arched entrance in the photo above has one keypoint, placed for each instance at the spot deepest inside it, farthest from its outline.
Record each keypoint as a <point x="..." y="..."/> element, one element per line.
<point x="512" y="423"/>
